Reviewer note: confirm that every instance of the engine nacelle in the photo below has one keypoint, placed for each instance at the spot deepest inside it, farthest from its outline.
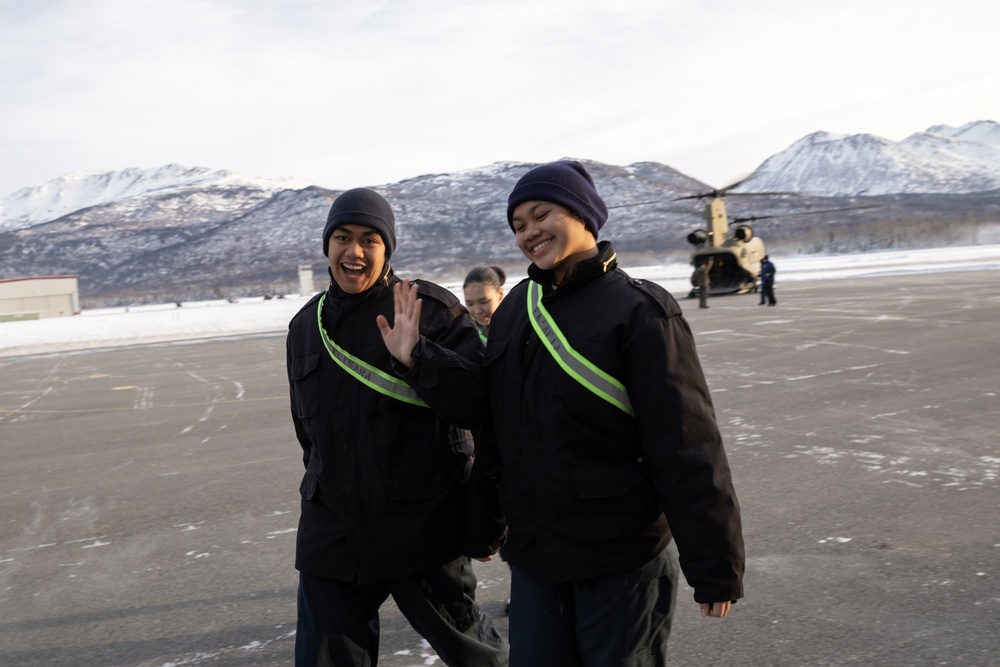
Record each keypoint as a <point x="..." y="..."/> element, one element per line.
<point x="698" y="237"/>
<point x="744" y="232"/>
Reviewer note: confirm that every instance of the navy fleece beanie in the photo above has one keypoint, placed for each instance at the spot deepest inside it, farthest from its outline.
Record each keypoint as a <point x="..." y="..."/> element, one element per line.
<point x="365" y="207"/>
<point x="565" y="183"/>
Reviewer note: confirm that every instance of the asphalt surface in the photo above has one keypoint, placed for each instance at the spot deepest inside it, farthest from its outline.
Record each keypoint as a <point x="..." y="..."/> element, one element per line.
<point x="148" y="495"/>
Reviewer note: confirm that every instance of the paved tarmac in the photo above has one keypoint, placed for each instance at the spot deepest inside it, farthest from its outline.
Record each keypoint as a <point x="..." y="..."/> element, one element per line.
<point x="148" y="495"/>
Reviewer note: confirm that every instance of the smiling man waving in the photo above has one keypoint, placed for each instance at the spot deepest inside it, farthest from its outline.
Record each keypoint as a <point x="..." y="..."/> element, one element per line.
<point x="385" y="462"/>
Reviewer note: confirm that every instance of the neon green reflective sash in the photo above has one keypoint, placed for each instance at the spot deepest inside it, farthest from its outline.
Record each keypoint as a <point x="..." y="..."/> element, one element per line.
<point x="575" y="364"/>
<point x="365" y="373"/>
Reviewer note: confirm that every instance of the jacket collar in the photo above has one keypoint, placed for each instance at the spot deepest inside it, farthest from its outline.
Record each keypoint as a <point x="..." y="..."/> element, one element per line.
<point x="583" y="271"/>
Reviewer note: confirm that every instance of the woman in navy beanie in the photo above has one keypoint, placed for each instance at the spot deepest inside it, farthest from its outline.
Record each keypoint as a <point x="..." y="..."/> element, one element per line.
<point x="605" y="456"/>
<point x="566" y="183"/>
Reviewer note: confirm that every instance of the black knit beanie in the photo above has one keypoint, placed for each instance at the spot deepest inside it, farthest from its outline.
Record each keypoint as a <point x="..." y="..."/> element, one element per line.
<point x="565" y="183"/>
<point x="365" y="207"/>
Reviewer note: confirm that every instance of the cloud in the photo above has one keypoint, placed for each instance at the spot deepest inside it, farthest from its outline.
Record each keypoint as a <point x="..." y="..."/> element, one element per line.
<point x="349" y="92"/>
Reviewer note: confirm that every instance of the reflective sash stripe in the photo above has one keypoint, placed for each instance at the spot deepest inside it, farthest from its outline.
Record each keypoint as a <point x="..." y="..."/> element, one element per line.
<point x="575" y="364"/>
<point x="365" y="373"/>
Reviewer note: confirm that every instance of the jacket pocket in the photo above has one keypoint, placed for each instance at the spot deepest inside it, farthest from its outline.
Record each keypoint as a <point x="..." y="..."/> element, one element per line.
<point x="609" y="499"/>
<point x="305" y="385"/>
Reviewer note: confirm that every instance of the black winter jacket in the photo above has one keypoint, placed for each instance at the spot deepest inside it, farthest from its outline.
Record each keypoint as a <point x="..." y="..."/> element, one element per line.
<point x="383" y="494"/>
<point x="588" y="490"/>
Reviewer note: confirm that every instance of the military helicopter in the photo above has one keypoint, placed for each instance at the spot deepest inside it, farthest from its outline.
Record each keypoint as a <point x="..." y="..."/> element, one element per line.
<point x="735" y="257"/>
<point x="732" y="246"/>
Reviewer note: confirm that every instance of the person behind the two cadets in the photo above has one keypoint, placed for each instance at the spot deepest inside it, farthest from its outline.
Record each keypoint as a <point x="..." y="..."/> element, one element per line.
<point x="386" y="459"/>
<point x="483" y="290"/>
<point x="604" y="473"/>
<point x="767" y="272"/>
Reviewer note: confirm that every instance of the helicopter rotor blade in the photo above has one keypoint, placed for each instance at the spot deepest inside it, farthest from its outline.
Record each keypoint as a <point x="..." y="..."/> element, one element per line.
<point x="660" y="202"/>
<point x="719" y="194"/>
<point x="738" y="219"/>
<point x="701" y="196"/>
<point x="637" y="203"/>
<point x="764" y="194"/>
<point x="751" y="218"/>
<point x="831" y="210"/>
<point x="845" y="208"/>
<point x="735" y="184"/>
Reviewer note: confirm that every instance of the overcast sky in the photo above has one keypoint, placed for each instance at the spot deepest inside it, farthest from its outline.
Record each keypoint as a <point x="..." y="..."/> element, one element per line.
<point x="364" y="92"/>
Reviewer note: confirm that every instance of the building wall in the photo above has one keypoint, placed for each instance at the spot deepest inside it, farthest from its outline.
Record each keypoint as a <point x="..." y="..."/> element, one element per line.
<point x="306" y="285"/>
<point x="34" y="298"/>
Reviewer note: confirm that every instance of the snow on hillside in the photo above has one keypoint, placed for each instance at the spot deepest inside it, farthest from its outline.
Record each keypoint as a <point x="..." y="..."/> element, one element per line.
<point x="951" y="145"/>
<point x="80" y="190"/>
<point x="196" y="320"/>
<point x="980" y="132"/>
<point x="942" y="159"/>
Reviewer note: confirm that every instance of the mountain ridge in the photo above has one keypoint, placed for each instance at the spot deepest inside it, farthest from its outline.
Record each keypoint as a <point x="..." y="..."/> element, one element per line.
<point x="940" y="160"/>
<point x="79" y="190"/>
<point x="176" y="232"/>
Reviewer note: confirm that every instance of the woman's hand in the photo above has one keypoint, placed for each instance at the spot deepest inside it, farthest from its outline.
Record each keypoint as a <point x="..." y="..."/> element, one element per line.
<point x="715" y="609"/>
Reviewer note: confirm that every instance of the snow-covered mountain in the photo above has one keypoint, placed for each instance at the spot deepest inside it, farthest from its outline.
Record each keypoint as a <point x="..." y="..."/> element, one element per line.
<point x="189" y="232"/>
<point x="178" y="232"/>
<point x="941" y="160"/>
<point x="81" y="190"/>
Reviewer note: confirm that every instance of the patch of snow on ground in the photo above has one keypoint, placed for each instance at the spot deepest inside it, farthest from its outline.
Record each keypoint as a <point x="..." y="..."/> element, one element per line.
<point x="166" y="322"/>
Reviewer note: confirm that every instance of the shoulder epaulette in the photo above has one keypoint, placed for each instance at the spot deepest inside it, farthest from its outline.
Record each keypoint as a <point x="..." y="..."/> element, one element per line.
<point x="657" y="293"/>
<point x="315" y="297"/>
<point x="435" y="291"/>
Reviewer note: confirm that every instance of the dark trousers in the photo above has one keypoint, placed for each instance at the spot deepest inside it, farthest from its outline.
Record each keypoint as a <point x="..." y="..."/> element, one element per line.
<point x="616" y="620"/>
<point x="338" y="624"/>
<point x="768" y="293"/>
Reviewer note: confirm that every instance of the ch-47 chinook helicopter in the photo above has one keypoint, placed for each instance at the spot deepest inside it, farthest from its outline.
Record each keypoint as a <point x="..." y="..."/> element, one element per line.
<point x="735" y="257"/>
<point x="731" y="244"/>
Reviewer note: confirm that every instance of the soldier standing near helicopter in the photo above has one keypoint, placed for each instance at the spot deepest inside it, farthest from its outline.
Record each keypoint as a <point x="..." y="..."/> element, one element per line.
<point x="767" y="272"/>
<point x="704" y="270"/>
